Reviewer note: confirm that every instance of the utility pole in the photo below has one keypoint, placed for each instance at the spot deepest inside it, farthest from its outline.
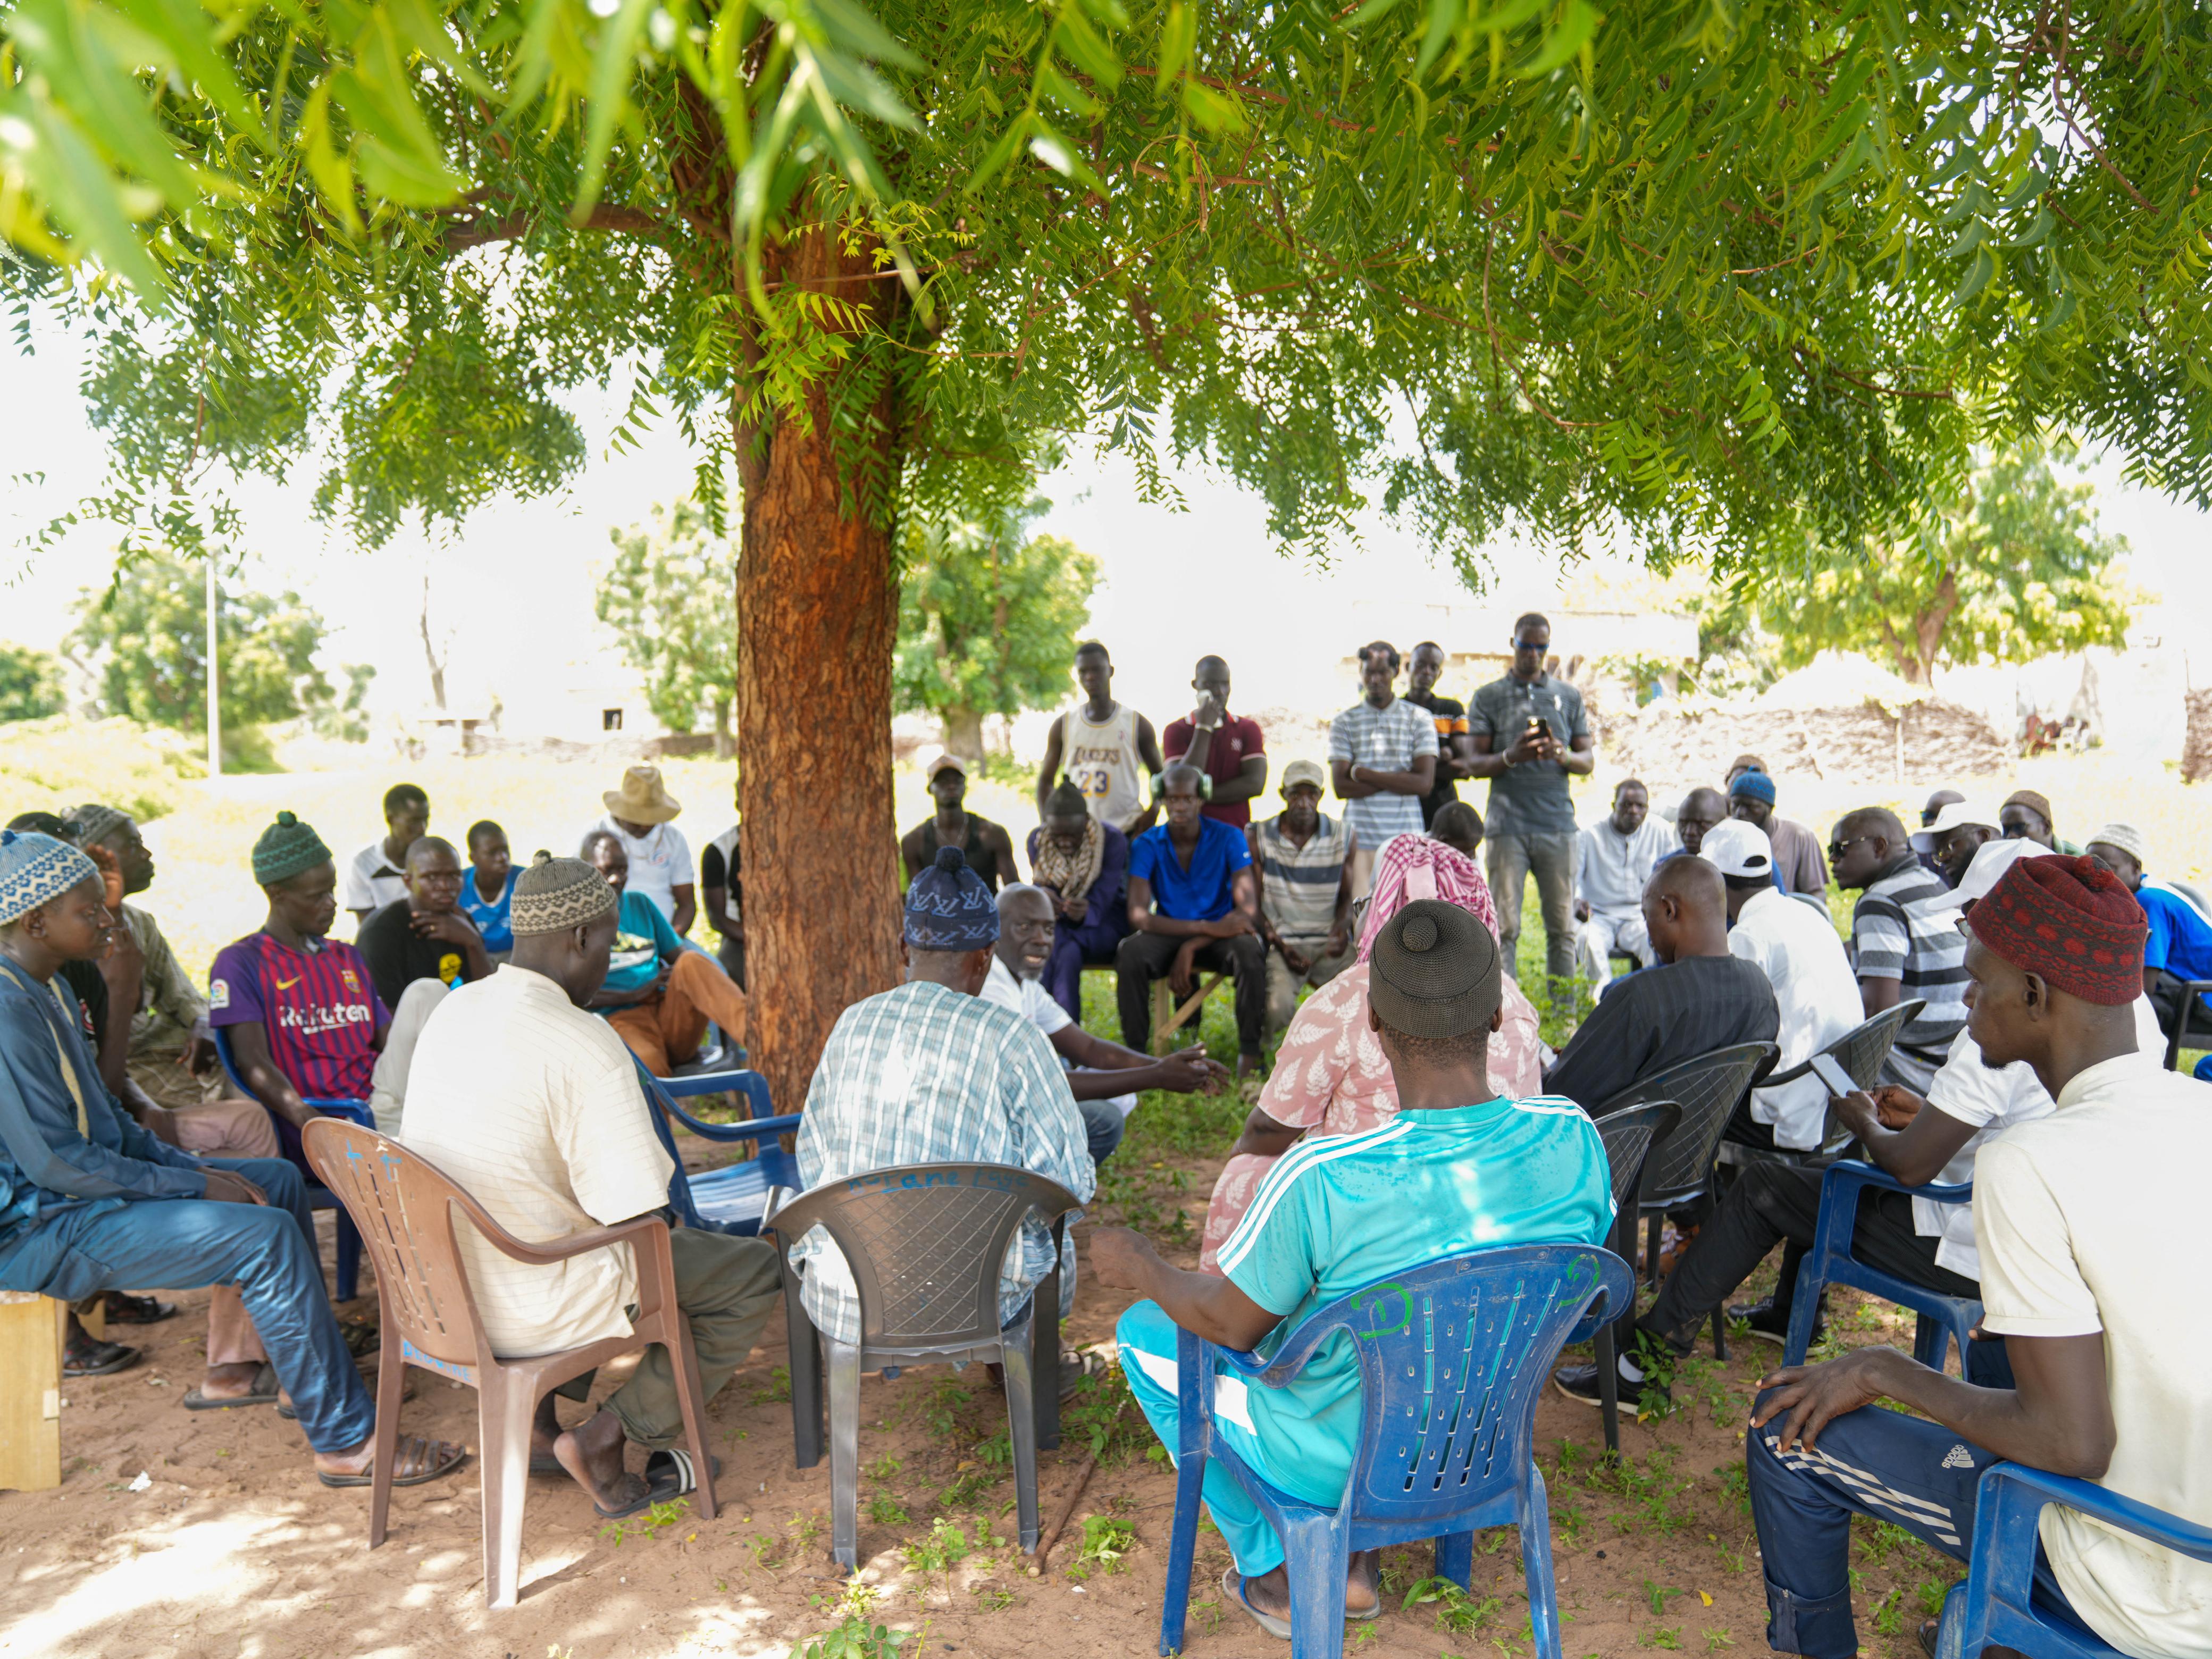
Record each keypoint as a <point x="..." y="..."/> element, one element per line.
<point x="214" y="680"/>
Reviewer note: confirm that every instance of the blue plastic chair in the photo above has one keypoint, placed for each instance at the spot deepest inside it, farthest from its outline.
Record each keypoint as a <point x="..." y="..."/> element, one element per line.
<point x="319" y="1197"/>
<point x="1943" y="1319"/>
<point x="734" y="1198"/>
<point x="1452" y="1357"/>
<point x="1995" y="1604"/>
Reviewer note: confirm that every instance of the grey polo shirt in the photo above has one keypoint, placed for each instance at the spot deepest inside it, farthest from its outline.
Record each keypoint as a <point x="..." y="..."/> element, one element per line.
<point x="1531" y="800"/>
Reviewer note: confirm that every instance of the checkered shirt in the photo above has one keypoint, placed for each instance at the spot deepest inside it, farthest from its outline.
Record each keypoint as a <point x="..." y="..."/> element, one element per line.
<point x="923" y="1074"/>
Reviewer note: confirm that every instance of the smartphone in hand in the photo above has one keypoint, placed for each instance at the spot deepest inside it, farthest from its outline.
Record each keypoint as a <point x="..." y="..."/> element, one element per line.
<point x="1832" y="1076"/>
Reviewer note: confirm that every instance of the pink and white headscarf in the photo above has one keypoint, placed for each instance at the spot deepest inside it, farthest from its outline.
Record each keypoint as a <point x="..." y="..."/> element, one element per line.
<point x="1417" y="867"/>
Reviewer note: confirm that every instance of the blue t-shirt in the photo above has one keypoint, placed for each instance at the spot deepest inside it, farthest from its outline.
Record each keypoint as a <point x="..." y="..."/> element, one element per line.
<point x="2180" y="940"/>
<point x="1336" y="1215"/>
<point x="643" y="940"/>
<point x="491" y="917"/>
<point x="1200" y="893"/>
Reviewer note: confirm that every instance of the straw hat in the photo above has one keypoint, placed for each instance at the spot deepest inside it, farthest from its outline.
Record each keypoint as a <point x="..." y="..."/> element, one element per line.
<point x="642" y="799"/>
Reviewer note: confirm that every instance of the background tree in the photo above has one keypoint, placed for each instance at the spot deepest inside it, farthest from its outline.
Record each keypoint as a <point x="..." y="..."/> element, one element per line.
<point x="667" y="596"/>
<point x="30" y="684"/>
<point x="987" y="618"/>
<point x="2013" y="568"/>
<point x="1714" y="277"/>
<point x="144" y="638"/>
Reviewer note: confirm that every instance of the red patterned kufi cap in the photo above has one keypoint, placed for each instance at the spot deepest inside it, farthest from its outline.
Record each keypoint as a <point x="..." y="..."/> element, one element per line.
<point x="2070" y="921"/>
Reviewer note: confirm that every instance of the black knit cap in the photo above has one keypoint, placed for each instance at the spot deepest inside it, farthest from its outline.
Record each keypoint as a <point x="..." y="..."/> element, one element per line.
<point x="1434" y="972"/>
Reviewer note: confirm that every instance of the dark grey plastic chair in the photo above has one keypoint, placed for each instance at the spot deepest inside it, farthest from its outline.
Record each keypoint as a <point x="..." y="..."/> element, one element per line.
<point x="924" y="1242"/>
<point x="1628" y="1135"/>
<point x="1862" y="1052"/>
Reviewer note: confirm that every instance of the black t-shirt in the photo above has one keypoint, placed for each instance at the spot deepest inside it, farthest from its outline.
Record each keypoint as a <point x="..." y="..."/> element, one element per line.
<point x="1450" y="716"/>
<point x="1662" y="1016"/>
<point x="398" y="956"/>
<point x="716" y="871"/>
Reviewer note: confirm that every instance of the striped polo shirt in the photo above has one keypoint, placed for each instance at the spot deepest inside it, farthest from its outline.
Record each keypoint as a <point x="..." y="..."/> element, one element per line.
<point x="1298" y="885"/>
<point x="320" y="1008"/>
<point x="1892" y="940"/>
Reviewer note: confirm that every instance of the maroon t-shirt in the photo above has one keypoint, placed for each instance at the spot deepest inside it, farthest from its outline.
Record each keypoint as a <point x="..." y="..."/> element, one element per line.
<point x="1236" y="740"/>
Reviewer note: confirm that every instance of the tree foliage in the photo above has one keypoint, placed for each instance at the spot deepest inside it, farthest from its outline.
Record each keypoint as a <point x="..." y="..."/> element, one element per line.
<point x="987" y="618"/>
<point x="30" y="684"/>
<point x="667" y="595"/>
<point x="145" y="640"/>
<point x="1720" y="274"/>
<point x="2014" y="568"/>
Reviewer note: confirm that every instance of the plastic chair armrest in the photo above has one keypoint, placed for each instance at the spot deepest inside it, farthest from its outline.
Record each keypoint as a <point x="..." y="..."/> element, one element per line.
<point x="354" y="1111"/>
<point x="1802" y="1069"/>
<point x="2022" y="1491"/>
<point x="1855" y="1174"/>
<point x="575" y="1244"/>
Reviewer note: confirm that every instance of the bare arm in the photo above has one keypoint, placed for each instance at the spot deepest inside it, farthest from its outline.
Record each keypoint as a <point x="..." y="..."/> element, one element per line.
<point x="724" y="920"/>
<point x="1267" y="935"/>
<point x="1002" y="844"/>
<point x="1916" y="1154"/>
<point x="1347" y="787"/>
<point x="1148" y="753"/>
<point x="1143" y="918"/>
<point x="1876" y="994"/>
<point x="1580" y="757"/>
<point x="1264" y="1137"/>
<point x="1486" y="762"/>
<point x="1049" y="770"/>
<point x="249" y="1047"/>
<point x="1246" y="784"/>
<point x="910" y="856"/>
<point x="683" y="907"/>
<point x="1202" y="1304"/>
<point x="1418" y="779"/>
<point x="1108" y="1069"/>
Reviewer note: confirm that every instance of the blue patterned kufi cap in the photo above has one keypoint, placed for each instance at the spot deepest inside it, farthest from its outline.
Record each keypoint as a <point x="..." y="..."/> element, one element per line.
<point x="34" y="869"/>
<point x="949" y="908"/>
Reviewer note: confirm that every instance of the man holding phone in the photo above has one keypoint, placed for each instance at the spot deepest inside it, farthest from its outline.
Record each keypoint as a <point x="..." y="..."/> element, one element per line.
<point x="1530" y="732"/>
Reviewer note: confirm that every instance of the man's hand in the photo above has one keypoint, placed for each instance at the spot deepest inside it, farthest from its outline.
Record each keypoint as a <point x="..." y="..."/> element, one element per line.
<point x="229" y="1186"/>
<point x="159" y="1121"/>
<point x="1230" y="926"/>
<point x="1294" y="958"/>
<point x="1208" y="712"/>
<point x="1337" y="939"/>
<point x="1856" y="1112"/>
<point x="1896" y="1107"/>
<point x="447" y="927"/>
<point x="1582" y="910"/>
<point x="1810" y="1397"/>
<point x="1181" y="1074"/>
<point x="1527" y="747"/>
<point x="1121" y="1259"/>
<point x="199" y="1057"/>
<point x="122" y="967"/>
<point x="1182" y="972"/>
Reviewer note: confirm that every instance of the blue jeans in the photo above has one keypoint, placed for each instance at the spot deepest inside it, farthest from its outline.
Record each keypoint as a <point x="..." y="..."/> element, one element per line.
<point x="1904" y="1470"/>
<point x="182" y="1243"/>
<point x="1103" y="1127"/>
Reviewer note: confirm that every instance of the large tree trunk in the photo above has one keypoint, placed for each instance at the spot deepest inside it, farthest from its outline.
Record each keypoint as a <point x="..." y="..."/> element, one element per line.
<point x="963" y="734"/>
<point x="817" y="618"/>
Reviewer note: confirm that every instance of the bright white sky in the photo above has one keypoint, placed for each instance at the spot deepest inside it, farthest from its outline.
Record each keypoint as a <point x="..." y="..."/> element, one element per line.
<point x="515" y="587"/>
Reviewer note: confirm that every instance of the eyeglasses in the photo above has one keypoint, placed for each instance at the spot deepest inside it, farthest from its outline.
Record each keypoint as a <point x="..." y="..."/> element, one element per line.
<point x="1837" y="848"/>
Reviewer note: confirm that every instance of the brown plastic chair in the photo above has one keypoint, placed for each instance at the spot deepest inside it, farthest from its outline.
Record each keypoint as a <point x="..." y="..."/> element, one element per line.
<point x="405" y="1206"/>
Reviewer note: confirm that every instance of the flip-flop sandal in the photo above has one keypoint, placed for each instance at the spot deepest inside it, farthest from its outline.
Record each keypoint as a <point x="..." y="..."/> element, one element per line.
<point x="414" y="1448"/>
<point x="138" y="1309"/>
<point x="668" y="1474"/>
<point x="262" y="1393"/>
<point x="1233" y="1586"/>
<point x="100" y="1359"/>
<point x="368" y="1365"/>
<point x="1074" y="1367"/>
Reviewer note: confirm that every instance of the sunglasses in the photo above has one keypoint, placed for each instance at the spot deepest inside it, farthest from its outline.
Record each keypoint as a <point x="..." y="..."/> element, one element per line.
<point x="1837" y="848"/>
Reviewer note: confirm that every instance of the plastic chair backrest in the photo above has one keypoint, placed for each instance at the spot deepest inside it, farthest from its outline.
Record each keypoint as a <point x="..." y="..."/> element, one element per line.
<point x="1452" y="1357"/>
<point x="925" y="1242"/>
<point x="404" y="1205"/>
<point x="1628" y="1134"/>
<point x="1707" y="1089"/>
<point x="1862" y="1050"/>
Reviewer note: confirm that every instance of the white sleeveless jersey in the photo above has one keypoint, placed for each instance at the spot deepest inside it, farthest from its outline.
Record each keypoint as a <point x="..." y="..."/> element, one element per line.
<point x="1102" y="761"/>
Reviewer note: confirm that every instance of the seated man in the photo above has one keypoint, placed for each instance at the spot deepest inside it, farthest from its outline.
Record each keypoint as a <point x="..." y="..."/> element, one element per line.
<point x="930" y="1073"/>
<point x="2026" y="815"/>
<point x="375" y="875"/>
<point x="1082" y="862"/>
<point x="534" y="1107"/>
<point x="488" y="887"/>
<point x="425" y="937"/>
<point x="1903" y="946"/>
<point x="1798" y="865"/>
<point x="97" y="1204"/>
<point x="1613" y="860"/>
<point x="722" y="889"/>
<point x="985" y="846"/>
<point x="1959" y="828"/>
<point x="2087" y="1223"/>
<point x="1701" y="809"/>
<point x="1459" y="826"/>
<point x="1104" y="1078"/>
<point x="1814" y="990"/>
<point x="1302" y="868"/>
<point x="299" y="1008"/>
<point x="1459" y="1169"/>
<point x="1700" y="997"/>
<point x="658" y="995"/>
<point x="1191" y="907"/>
<point x="2179" y="946"/>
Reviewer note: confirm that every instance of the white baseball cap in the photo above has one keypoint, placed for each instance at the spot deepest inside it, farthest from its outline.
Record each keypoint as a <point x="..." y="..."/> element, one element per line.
<point x="1991" y="859"/>
<point x="1737" y="848"/>
<point x="1954" y="815"/>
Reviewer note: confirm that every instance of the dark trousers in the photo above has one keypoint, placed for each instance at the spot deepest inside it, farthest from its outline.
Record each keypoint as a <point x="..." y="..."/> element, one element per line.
<point x="1145" y="957"/>
<point x="1075" y="946"/>
<point x="1775" y="1204"/>
<point x="1904" y="1470"/>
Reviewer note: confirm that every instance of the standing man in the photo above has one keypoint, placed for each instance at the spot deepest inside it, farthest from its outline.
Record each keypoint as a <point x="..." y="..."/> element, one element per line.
<point x="375" y="876"/>
<point x="985" y="846"/>
<point x="643" y="812"/>
<point x="1106" y="751"/>
<point x="488" y="887"/>
<point x="1192" y="906"/>
<point x="1454" y="748"/>
<point x="1383" y="757"/>
<point x="1613" y="858"/>
<point x="1225" y="746"/>
<point x="1798" y="865"/>
<point x="1083" y="866"/>
<point x="722" y="876"/>
<point x="1901" y="948"/>
<point x="1529" y="733"/>
<point x="1302" y="863"/>
<point x="427" y="935"/>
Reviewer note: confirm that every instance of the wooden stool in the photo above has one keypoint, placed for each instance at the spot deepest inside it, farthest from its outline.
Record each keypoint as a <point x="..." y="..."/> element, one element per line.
<point x="1165" y="1026"/>
<point x="31" y="1336"/>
